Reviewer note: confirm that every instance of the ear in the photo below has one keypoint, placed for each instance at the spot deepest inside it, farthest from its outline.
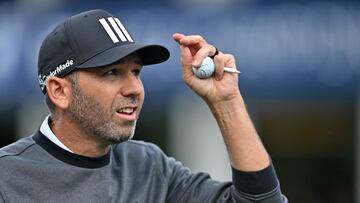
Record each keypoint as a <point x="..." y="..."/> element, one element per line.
<point x="59" y="91"/>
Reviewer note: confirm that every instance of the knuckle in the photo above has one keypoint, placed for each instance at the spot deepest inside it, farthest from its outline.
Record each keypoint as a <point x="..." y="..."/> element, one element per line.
<point x="198" y="36"/>
<point x="210" y="47"/>
<point x="229" y="57"/>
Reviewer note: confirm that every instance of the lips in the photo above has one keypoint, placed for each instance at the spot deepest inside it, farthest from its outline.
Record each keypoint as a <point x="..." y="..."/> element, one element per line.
<point x="127" y="110"/>
<point x="127" y="113"/>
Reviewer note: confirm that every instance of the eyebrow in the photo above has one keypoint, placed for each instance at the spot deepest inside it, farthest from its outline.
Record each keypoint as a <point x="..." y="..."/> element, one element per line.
<point x="139" y="62"/>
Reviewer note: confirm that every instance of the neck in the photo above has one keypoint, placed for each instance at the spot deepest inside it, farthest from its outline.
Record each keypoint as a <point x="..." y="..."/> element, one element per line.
<point x="77" y="140"/>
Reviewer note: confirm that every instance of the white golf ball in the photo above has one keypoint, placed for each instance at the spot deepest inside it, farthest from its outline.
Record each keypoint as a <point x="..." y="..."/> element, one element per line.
<point x="206" y="69"/>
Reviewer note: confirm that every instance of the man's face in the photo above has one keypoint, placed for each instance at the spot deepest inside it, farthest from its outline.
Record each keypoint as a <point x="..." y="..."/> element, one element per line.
<point x="106" y="101"/>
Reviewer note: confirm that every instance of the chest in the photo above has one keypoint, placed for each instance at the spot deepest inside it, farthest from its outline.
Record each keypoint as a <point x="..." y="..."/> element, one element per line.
<point x="63" y="183"/>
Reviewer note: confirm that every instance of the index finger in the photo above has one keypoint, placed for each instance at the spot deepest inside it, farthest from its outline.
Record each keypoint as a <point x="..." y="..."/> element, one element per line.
<point x="193" y="40"/>
<point x="177" y="37"/>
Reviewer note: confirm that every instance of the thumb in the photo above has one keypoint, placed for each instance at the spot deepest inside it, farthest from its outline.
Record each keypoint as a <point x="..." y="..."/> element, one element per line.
<point x="177" y="37"/>
<point x="186" y="61"/>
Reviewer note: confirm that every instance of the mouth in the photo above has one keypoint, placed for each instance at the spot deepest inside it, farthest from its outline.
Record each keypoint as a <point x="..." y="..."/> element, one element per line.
<point x="127" y="110"/>
<point x="127" y="113"/>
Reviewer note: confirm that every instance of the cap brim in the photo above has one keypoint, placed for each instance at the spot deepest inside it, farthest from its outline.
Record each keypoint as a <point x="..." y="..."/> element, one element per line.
<point x="149" y="54"/>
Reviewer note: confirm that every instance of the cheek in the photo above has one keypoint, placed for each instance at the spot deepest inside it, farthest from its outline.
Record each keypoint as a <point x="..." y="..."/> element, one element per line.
<point x="141" y="96"/>
<point x="143" y="90"/>
<point x="102" y="96"/>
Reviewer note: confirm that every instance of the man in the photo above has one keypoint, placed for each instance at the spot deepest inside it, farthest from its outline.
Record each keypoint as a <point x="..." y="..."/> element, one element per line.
<point x="89" y="70"/>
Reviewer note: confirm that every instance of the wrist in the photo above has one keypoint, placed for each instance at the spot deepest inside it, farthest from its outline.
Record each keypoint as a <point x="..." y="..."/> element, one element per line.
<point x="230" y="105"/>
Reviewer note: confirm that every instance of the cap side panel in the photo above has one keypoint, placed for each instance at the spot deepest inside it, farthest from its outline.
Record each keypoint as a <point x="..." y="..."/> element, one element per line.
<point x="74" y="44"/>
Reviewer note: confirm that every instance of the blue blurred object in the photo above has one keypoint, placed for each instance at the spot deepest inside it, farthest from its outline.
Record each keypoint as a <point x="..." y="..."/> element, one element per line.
<point x="286" y="49"/>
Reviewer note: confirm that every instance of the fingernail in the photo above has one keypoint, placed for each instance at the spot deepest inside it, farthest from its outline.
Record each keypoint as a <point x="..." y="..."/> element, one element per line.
<point x="195" y="63"/>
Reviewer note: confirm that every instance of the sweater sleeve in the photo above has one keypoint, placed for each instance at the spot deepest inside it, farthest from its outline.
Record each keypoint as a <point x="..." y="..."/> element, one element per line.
<point x="187" y="186"/>
<point x="2" y="198"/>
<point x="255" y="182"/>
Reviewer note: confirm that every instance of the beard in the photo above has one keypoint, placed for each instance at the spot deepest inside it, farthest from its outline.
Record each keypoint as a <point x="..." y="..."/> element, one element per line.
<point x="97" y="122"/>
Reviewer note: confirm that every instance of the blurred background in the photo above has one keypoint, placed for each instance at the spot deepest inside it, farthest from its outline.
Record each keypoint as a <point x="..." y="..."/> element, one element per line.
<point x="300" y="64"/>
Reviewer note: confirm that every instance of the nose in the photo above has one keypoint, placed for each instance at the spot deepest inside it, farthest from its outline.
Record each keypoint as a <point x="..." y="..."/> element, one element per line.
<point x="132" y="86"/>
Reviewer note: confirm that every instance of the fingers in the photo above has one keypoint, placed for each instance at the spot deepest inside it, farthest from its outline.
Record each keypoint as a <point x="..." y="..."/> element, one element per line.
<point x="192" y="40"/>
<point x="195" y="41"/>
<point x="223" y="60"/>
<point x="219" y="66"/>
<point x="199" y="48"/>
<point x="194" y="49"/>
<point x="177" y="37"/>
<point x="186" y="60"/>
<point x="200" y="55"/>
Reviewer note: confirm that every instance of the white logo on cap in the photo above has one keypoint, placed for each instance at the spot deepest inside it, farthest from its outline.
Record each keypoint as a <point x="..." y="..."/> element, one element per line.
<point x="56" y="71"/>
<point x="118" y="27"/>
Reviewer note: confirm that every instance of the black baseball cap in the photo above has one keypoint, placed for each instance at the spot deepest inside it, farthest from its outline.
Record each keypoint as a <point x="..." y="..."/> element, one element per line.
<point x="91" y="39"/>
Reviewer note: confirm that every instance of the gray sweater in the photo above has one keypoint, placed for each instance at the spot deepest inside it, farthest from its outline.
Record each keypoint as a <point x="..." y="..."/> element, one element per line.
<point x="34" y="169"/>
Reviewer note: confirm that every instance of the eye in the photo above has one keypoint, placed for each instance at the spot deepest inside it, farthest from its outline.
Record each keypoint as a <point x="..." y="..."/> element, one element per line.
<point x="111" y="72"/>
<point x="136" y="71"/>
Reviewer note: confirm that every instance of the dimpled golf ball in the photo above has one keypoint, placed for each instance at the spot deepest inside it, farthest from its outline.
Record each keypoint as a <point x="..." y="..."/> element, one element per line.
<point x="206" y="69"/>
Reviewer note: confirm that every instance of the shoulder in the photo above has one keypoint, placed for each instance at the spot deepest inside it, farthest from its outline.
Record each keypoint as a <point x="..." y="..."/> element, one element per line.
<point x="17" y="148"/>
<point x="140" y="153"/>
<point x="143" y="157"/>
<point x="138" y="149"/>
